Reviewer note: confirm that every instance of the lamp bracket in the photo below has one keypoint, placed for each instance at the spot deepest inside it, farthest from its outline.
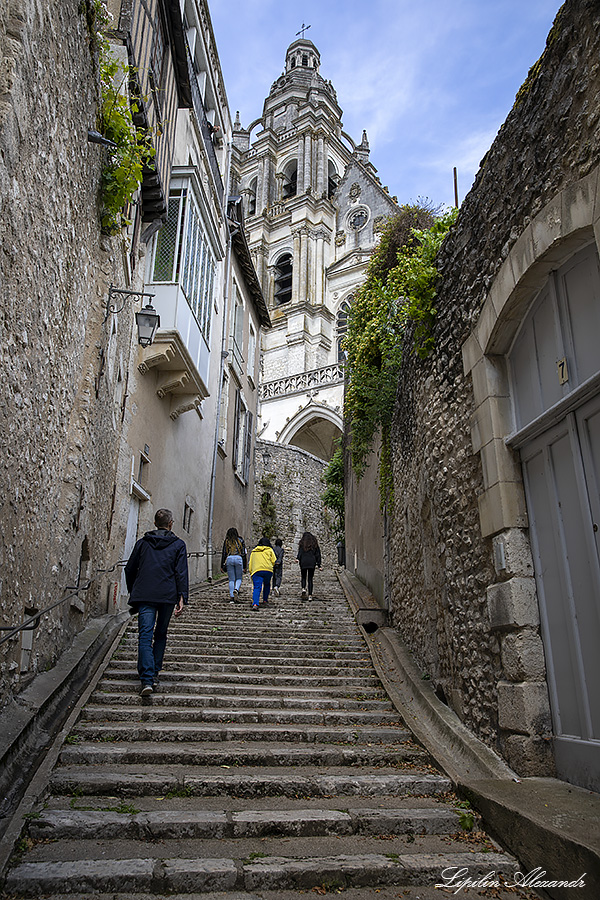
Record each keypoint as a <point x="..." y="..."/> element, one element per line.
<point x="125" y="295"/>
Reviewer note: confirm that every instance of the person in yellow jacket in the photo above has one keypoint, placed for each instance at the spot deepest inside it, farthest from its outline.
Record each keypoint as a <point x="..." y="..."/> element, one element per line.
<point x="262" y="560"/>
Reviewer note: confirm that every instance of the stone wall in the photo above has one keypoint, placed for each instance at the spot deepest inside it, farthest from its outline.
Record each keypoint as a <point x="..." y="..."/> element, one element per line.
<point x="443" y="568"/>
<point x="59" y="419"/>
<point x="293" y="479"/>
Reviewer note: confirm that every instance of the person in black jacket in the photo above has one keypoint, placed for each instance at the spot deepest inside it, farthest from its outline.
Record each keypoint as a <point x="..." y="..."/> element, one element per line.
<point x="157" y="580"/>
<point x="309" y="557"/>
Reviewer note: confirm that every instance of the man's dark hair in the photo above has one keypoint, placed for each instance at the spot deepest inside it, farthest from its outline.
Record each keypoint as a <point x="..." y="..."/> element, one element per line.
<point x="163" y="518"/>
<point x="279" y="542"/>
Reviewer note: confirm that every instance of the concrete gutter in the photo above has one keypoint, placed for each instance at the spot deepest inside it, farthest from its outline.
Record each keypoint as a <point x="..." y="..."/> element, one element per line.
<point x="546" y="823"/>
<point x="29" y="722"/>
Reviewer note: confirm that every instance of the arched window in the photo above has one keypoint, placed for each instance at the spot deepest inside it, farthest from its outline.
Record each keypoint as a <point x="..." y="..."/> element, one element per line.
<point x="342" y="326"/>
<point x="283" y="279"/>
<point x="333" y="179"/>
<point x="290" y="180"/>
<point x="305" y="60"/>
<point x="252" y="198"/>
<point x="293" y="63"/>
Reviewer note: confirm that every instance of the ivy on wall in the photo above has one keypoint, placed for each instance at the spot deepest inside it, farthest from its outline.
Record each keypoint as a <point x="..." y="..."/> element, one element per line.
<point x="393" y="310"/>
<point x="333" y="495"/>
<point x="123" y="167"/>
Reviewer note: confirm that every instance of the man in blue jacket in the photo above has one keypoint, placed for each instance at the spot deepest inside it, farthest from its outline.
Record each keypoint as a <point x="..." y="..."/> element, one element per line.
<point x="157" y="580"/>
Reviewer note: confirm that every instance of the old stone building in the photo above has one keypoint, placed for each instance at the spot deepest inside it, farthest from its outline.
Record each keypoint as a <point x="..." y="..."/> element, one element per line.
<point x="100" y="428"/>
<point x="313" y="207"/>
<point x="60" y="352"/>
<point x="493" y="557"/>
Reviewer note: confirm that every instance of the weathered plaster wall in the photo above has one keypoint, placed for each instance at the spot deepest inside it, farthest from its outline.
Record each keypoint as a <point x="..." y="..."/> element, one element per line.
<point x="443" y="569"/>
<point x="295" y="485"/>
<point x="60" y="408"/>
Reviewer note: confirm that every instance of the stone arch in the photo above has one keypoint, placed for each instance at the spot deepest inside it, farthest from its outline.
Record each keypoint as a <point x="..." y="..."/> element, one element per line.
<point x="315" y="428"/>
<point x="289" y="173"/>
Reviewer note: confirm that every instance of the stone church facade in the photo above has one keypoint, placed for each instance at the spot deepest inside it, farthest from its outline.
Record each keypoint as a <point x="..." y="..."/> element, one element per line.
<point x="313" y="207"/>
<point x="491" y="559"/>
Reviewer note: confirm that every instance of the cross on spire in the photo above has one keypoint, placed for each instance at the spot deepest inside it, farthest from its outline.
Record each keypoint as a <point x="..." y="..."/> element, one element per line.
<point x="302" y="30"/>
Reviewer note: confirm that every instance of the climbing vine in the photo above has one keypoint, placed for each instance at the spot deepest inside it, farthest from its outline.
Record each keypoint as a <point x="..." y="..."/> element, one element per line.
<point x="333" y="495"/>
<point x="122" y="171"/>
<point x="396" y="303"/>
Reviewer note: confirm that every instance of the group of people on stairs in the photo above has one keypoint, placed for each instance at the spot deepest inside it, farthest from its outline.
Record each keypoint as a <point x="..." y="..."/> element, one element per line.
<point x="157" y="579"/>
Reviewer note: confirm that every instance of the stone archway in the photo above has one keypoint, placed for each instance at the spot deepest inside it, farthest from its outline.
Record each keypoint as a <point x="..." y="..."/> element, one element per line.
<point x="315" y="429"/>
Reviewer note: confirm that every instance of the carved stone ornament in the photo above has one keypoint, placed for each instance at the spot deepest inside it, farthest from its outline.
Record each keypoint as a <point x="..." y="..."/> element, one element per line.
<point x="379" y="223"/>
<point x="340" y="238"/>
<point x="355" y="191"/>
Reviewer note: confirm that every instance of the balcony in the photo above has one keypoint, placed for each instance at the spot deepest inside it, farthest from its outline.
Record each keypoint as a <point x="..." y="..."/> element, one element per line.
<point x="295" y="384"/>
<point x="179" y="353"/>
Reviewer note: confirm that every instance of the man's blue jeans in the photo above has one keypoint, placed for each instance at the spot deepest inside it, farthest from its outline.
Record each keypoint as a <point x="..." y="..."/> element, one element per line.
<point x="153" y="622"/>
<point x="235" y="570"/>
<point x="261" y="581"/>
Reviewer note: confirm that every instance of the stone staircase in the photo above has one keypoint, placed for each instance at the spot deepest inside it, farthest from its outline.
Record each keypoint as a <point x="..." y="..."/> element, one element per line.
<point x="268" y="764"/>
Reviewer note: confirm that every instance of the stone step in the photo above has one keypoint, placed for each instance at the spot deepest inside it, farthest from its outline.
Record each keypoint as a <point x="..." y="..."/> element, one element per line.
<point x="208" y="823"/>
<point x="326" y="669"/>
<point x="198" y="713"/>
<point x="215" y="649"/>
<point x="233" y="677"/>
<point x="165" y="695"/>
<point x="125" y="731"/>
<point x="223" y="754"/>
<point x="130" y="782"/>
<point x="193" y="683"/>
<point x="200" y="875"/>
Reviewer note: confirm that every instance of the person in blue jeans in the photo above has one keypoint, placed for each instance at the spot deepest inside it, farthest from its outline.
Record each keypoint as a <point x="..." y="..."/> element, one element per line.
<point x="262" y="560"/>
<point x="233" y="561"/>
<point x="158" y="583"/>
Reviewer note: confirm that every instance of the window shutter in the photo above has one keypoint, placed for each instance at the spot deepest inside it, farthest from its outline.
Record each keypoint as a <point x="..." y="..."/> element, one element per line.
<point x="248" y="447"/>
<point x="236" y="428"/>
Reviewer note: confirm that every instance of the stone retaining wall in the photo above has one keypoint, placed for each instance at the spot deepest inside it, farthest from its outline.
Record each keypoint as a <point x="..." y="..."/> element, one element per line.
<point x="293" y="479"/>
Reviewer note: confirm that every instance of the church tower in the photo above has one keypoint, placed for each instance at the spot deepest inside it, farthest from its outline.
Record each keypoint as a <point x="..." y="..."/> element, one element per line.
<point x="313" y="206"/>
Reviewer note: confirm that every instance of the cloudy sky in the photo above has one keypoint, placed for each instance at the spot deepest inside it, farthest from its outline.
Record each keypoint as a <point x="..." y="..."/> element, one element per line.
<point x="431" y="81"/>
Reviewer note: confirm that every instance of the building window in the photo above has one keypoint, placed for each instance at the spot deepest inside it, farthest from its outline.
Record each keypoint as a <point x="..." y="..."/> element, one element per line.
<point x="251" y="353"/>
<point x="252" y="197"/>
<point x="333" y="180"/>
<point x="183" y="256"/>
<point x="283" y="279"/>
<point x="305" y="60"/>
<point x="223" y="411"/>
<point x="290" y="181"/>
<point x="236" y="341"/>
<point x="242" y="438"/>
<point x="188" y="512"/>
<point x="342" y="327"/>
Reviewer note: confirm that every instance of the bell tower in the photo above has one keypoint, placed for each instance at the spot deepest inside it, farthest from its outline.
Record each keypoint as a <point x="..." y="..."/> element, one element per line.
<point x="291" y="165"/>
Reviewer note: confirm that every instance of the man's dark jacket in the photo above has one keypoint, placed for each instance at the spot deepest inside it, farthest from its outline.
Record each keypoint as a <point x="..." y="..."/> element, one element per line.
<point x="157" y="570"/>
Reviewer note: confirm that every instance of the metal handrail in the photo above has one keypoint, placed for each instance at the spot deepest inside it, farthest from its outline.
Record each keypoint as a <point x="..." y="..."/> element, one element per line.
<point x="33" y="620"/>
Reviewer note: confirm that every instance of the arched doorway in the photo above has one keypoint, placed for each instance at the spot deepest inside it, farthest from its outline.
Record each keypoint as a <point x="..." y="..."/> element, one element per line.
<point x="316" y="429"/>
<point x="554" y="370"/>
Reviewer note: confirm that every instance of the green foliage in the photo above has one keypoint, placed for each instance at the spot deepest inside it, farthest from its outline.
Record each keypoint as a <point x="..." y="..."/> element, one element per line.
<point x="267" y="511"/>
<point x="466" y="816"/>
<point x="396" y="300"/>
<point x="333" y="496"/>
<point x="123" y="169"/>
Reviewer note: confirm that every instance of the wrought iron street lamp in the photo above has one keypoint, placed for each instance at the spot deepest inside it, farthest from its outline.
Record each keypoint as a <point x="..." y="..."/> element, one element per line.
<point x="147" y="319"/>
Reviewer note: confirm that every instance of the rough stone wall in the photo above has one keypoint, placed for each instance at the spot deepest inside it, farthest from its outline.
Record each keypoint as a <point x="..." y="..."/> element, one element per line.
<point x="441" y="564"/>
<point x="293" y="479"/>
<point x="58" y="421"/>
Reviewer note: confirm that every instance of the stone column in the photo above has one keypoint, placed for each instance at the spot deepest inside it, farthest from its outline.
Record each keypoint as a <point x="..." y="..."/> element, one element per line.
<point x="279" y="181"/>
<point x="301" y="164"/>
<point x="303" y="264"/>
<point x="296" y="267"/>
<point x="266" y="185"/>
<point x="307" y="161"/>
<point x="321" y="181"/>
<point x="319" y="267"/>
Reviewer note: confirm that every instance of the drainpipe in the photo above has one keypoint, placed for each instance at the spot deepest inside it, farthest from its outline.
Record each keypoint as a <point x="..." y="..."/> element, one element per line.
<point x="223" y="357"/>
